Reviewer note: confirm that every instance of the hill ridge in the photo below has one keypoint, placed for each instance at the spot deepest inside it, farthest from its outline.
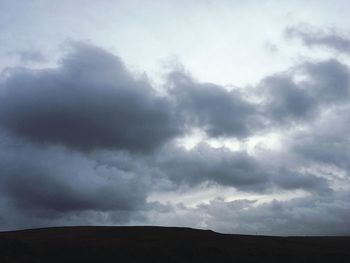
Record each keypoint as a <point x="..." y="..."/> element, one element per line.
<point x="160" y="244"/>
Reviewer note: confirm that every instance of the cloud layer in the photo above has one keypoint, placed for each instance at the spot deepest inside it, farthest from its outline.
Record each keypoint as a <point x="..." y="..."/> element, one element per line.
<point x="89" y="142"/>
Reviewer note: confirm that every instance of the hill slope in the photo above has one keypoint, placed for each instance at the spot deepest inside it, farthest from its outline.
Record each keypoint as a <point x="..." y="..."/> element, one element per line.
<point x="163" y="244"/>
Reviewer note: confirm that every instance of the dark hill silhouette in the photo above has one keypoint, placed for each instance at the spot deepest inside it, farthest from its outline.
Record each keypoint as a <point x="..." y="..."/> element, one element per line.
<point x="164" y="244"/>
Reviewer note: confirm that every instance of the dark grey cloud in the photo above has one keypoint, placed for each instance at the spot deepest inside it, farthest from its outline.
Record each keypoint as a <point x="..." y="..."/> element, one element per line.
<point x="329" y="80"/>
<point x="91" y="101"/>
<point x="289" y="101"/>
<point x="328" y="38"/>
<point x="55" y="186"/>
<point x="326" y="141"/>
<point x="238" y="169"/>
<point x="55" y="183"/>
<point x="204" y="163"/>
<point x="286" y="178"/>
<point x="285" y="101"/>
<point x="71" y="138"/>
<point x="220" y="113"/>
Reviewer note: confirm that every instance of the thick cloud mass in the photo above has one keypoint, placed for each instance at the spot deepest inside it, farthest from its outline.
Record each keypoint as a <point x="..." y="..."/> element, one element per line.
<point x="327" y="143"/>
<point x="90" y="142"/>
<point x="236" y="169"/>
<point x="285" y="101"/>
<point x="89" y="102"/>
<point x="329" y="81"/>
<point x="212" y="108"/>
<point x="52" y="182"/>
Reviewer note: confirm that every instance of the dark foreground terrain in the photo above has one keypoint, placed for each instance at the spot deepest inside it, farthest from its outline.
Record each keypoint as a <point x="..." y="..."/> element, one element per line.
<point x="162" y="244"/>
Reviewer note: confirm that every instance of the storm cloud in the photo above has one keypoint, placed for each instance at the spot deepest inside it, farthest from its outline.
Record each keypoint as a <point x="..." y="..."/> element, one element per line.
<point x="220" y="113"/>
<point x="89" y="141"/>
<point x="51" y="182"/>
<point x="303" y="93"/>
<point x="236" y="169"/>
<point x="91" y="101"/>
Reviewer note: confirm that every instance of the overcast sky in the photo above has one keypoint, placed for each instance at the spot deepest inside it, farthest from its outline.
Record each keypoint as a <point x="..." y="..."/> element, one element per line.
<point x="227" y="115"/>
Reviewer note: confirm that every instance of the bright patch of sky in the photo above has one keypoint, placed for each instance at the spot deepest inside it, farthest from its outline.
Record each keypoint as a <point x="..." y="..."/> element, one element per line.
<point x="225" y="42"/>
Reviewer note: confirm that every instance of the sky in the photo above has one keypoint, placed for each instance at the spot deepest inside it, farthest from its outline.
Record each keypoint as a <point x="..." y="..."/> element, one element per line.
<point x="223" y="115"/>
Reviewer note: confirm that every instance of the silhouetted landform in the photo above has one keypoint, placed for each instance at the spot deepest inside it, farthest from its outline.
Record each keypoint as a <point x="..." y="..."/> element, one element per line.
<point x="164" y="244"/>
